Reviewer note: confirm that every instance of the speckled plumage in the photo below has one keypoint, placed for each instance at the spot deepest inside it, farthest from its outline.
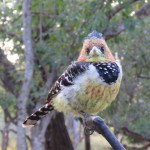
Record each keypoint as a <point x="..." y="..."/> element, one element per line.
<point x="88" y="85"/>
<point x="92" y="91"/>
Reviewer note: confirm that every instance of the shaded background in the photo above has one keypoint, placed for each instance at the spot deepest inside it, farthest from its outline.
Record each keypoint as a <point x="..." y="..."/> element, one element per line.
<point x="38" y="39"/>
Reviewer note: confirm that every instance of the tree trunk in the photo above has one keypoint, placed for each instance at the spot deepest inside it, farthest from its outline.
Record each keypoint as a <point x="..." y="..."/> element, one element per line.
<point x="38" y="133"/>
<point x="74" y="130"/>
<point x="25" y="90"/>
<point x="5" y="136"/>
<point x="57" y="137"/>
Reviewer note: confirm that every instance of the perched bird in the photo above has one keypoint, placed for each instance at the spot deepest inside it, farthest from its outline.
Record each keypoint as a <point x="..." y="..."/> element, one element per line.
<point x="88" y="85"/>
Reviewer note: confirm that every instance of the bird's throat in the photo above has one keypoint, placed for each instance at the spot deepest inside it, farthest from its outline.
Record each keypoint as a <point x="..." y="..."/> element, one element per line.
<point x="96" y="59"/>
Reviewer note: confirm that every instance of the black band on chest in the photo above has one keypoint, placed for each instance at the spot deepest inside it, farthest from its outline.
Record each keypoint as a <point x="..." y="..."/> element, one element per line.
<point x="108" y="72"/>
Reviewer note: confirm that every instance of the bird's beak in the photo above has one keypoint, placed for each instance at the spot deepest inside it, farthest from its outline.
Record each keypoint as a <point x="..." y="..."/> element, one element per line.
<point x="95" y="51"/>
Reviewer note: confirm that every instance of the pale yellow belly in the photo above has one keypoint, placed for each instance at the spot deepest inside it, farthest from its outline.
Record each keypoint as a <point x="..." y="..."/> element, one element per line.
<point x="96" y="98"/>
<point x="91" y="98"/>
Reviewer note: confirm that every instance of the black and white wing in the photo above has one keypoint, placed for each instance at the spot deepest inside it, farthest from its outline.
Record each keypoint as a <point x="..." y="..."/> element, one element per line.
<point x="67" y="78"/>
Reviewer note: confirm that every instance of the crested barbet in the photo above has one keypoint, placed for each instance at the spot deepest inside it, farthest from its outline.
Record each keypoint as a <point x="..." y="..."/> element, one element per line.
<point x="88" y="85"/>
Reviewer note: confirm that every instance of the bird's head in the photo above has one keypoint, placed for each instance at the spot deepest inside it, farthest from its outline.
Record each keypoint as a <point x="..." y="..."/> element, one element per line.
<point x="95" y="49"/>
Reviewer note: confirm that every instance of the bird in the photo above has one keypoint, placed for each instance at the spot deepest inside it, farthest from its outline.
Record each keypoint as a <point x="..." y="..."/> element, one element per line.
<point x="88" y="85"/>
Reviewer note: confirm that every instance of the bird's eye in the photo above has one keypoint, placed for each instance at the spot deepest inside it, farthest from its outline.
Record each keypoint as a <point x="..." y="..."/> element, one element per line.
<point x="87" y="50"/>
<point x="102" y="49"/>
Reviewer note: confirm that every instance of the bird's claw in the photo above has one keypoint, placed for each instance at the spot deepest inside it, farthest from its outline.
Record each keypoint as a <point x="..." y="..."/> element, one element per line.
<point x="87" y="123"/>
<point x="88" y="131"/>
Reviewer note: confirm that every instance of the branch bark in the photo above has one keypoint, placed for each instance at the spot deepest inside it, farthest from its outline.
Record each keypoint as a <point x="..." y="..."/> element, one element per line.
<point x="25" y="90"/>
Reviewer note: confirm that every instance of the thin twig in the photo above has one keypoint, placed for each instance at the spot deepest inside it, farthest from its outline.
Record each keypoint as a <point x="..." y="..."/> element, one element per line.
<point x="46" y="14"/>
<point x="144" y="77"/>
<point x="15" y="132"/>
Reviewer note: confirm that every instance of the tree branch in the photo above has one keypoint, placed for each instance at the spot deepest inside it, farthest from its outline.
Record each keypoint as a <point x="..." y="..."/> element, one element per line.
<point x="143" y="12"/>
<point x="46" y="14"/>
<point x="138" y="148"/>
<point x="97" y="124"/>
<point x="143" y="77"/>
<point x="111" y="33"/>
<point x="126" y="131"/>
<point x="12" y="130"/>
<point x="120" y="7"/>
<point x="10" y="34"/>
<point x="43" y="70"/>
<point x="5" y="137"/>
<point x="8" y="115"/>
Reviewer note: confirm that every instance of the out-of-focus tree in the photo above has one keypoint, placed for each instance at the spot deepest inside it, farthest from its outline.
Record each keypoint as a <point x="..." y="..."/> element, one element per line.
<point x="131" y="111"/>
<point x="58" y="27"/>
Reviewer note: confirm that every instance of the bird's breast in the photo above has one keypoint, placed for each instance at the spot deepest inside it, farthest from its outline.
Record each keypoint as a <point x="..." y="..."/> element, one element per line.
<point x="92" y="91"/>
<point x="94" y="97"/>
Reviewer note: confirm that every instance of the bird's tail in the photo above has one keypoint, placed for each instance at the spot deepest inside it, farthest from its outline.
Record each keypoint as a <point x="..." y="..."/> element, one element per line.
<point x="32" y="120"/>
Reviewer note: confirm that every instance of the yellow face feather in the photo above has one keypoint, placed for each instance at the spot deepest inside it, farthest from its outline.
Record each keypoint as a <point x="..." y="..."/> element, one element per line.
<point x="95" y="50"/>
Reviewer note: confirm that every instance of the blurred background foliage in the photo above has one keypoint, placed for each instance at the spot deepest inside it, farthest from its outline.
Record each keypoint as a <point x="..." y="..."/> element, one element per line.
<point x="58" y="29"/>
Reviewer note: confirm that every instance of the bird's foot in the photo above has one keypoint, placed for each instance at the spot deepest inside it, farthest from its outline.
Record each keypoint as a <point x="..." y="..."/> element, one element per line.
<point x="88" y="131"/>
<point x="87" y="123"/>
